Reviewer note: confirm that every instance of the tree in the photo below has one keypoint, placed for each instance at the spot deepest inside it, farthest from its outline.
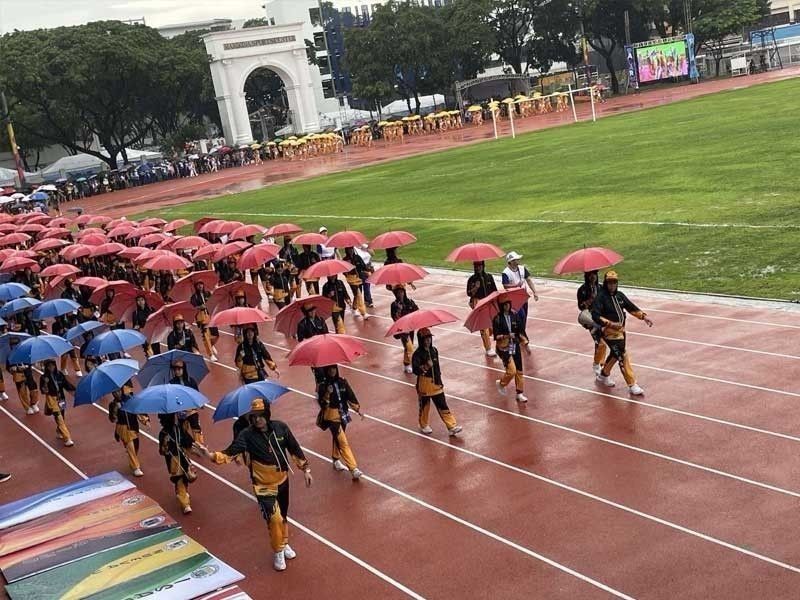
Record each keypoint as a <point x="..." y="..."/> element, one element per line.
<point x="555" y="35"/>
<point x="719" y="19"/>
<point x="467" y="37"/>
<point x="259" y="22"/>
<point x="512" y="22"/>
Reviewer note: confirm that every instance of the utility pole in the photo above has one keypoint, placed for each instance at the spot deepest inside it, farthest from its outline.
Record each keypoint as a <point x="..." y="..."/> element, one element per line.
<point x="11" y="138"/>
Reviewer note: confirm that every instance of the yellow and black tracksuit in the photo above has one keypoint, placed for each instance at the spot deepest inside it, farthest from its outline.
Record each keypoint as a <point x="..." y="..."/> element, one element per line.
<point x="400" y="308"/>
<point x="27" y="390"/>
<point x="198" y="300"/>
<point x="304" y="260"/>
<point x="138" y="321"/>
<point x="336" y="398"/>
<point x="425" y="365"/>
<point x="53" y="386"/>
<point x="59" y="327"/>
<point x="355" y="279"/>
<point x="126" y="430"/>
<point x="509" y="336"/>
<point x="281" y="281"/>
<point x="308" y="328"/>
<point x="252" y="360"/>
<point x="267" y="455"/>
<point x="182" y="339"/>
<point x="586" y="295"/>
<point x="610" y="308"/>
<point x="106" y="314"/>
<point x="480" y="285"/>
<point x="288" y="253"/>
<point x="189" y="420"/>
<point x="173" y="443"/>
<point x="336" y="291"/>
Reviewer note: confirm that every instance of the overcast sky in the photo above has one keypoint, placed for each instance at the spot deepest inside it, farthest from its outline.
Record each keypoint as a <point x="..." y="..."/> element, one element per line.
<point x="34" y="14"/>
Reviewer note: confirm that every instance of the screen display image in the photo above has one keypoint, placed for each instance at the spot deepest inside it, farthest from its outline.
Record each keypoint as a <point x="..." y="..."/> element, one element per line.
<point x="662" y="61"/>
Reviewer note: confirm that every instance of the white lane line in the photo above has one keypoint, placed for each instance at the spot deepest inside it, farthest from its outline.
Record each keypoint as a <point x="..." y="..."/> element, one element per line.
<point x="49" y="448"/>
<point x="638" y="364"/>
<point x="365" y="565"/>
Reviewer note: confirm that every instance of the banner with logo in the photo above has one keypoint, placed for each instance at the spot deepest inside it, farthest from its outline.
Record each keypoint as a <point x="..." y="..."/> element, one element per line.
<point x="633" y="73"/>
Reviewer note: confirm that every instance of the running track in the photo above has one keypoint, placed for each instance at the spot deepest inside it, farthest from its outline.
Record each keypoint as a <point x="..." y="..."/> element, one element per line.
<point x="688" y="492"/>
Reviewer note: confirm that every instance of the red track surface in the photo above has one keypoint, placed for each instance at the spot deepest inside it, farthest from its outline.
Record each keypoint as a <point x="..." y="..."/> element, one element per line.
<point x="688" y="492"/>
<point x="128" y="202"/>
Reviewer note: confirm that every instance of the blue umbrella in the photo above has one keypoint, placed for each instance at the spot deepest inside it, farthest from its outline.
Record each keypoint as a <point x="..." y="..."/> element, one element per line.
<point x="157" y="370"/>
<point x="5" y="343"/>
<point x="237" y="403"/>
<point x="82" y="328"/>
<point x="165" y="399"/>
<point x="12" y="291"/>
<point x="19" y="305"/>
<point x="54" y="308"/>
<point x="38" y="196"/>
<point x="39" y="348"/>
<point x="104" y="379"/>
<point x="116" y="340"/>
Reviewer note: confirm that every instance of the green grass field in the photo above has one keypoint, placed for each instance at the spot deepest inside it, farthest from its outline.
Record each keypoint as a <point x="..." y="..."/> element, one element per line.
<point x="723" y="163"/>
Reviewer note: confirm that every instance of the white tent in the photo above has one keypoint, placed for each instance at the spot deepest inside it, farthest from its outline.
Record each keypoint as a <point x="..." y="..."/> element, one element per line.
<point x="73" y="164"/>
<point x="8" y="177"/>
<point x="136" y="156"/>
<point x="426" y="103"/>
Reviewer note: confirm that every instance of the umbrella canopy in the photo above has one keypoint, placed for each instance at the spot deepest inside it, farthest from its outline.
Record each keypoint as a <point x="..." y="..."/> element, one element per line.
<point x="121" y="230"/>
<point x="98" y="220"/>
<point x="18" y="305"/>
<point x="54" y="308"/>
<point x="39" y="348"/>
<point x="159" y="323"/>
<point x="419" y="319"/>
<point x="124" y="302"/>
<point x="346" y="239"/>
<point x="185" y="286"/>
<point x="14" y="238"/>
<point x="115" y="341"/>
<point x="94" y="239"/>
<point x="49" y="244"/>
<point x="225" y="296"/>
<point x="246" y="231"/>
<point x="32" y="228"/>
<point x="153" y="222"/>
<point x="190" y="242"/>
<point x="254" y="258"/>
<point x="230" y="249"/>
<point x="587" y="259"/>
<point x="474" y="252"/>
<point x="206" y="252"/>
<point x="55" y="233"/>
<point x="107" y="249"/>
<point x="83" y="328"/>
<point x="176" y="224"/>
<point x="397" y="274"/>
<point x="13" y="290"/>
<point x="283" y="229"/>
<point x="167" y="262"/>
<point x="5" y="343"/>
<point x="220" y="227"/>
<point x="237" y="403"/>
<point x="105" y="378"/>
<point x="59" y="270"/>
<point x="158" y="369"/>
<point x="327" y="268"/>
<point x="239" y="316"/>
<point x="132" y="253"/>
<point x="166" y="398"/>
<point x="310" y="239"/>
<point x="90" y="282"/>
<point x="118" y="286"/>
<point x="392" y="239"/>
<point x="151" y="239"/>
<point x="75" y="251"/>
<point x="481" y="316"/>
<point x="326" y="349"/>
<point x="61" y="222"/>
<point x="140" y="231"/>
<point x="289" y="316"/>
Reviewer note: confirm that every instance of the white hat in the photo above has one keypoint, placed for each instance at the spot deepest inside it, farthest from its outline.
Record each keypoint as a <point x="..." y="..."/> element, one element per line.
<point x="364" y="246"/>
<point x="512" y="256"/>
<point x="323" y="228"/>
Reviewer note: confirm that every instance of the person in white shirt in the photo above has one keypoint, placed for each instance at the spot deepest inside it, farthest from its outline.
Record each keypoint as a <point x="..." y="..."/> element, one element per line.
<point x="324" y="252"/>
<point x="366" y="256"/>
<point x="514" y="276"/>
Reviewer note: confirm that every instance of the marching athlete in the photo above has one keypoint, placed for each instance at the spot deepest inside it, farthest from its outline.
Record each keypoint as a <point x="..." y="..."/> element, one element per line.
<point x="425" y="364"/>
<point x="586" y="296"/>
<point x="336" y="398"/>
<point x="509" y="335"/>
<point x="402" y="306"/>
<point x="53" y="386"/>
<point x="335" y="289"/>
<point x="253" y="359"/>
<point x="480" y="285"/>
<point x="127" y="426"/>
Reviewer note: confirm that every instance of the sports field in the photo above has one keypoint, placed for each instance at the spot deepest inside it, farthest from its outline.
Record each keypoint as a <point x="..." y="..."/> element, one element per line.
<point x="699" y="195"/>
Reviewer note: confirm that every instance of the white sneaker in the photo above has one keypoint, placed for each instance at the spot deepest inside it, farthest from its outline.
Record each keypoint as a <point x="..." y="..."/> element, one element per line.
<point x="187" y="510"/>
<point x="522" y="397"/>
<point x="288" y="553"/>
<point x="69" y="443"/>
<point x="138" y="473"/>
<point x="126" y="355"/>
<point x="354" y="312"/>
<point x="35" y="408"/>
<point x="597" y="369"/>
<point x="213" y="359"/>
<point x="367" y="316"/>
<point x="357" y="474"/>
<point x="339" y="465"/>
<point x="280" y="561"/>
<point x="491" y="353"/>
<point x="636" y="390"/>
<point x="455" y="430"/>
<point x="30" y="410"/>
<point x="408" y="369"/>
<point x="426" y="430"/>
<point x="3" y="396"/>
<point x="606" y="380"/>
<point x="78" y="373"/>
<point x="500" y="388"/>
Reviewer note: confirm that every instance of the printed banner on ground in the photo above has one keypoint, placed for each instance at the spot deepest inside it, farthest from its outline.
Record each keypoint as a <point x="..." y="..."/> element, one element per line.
<point x="84" y="530"/>
<point x="62" y="498"/>
<point x="166" y="566"/>
<point x="232" y="593"/>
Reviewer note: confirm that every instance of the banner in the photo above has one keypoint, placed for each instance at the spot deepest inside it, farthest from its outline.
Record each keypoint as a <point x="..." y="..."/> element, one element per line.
<point x="633" y="75"/>
<point x="166" y="566"/>
<point x="61" y="498"/>
<point x="693" y="73"/>
<point x="57" y="539"/>
<point x="232" y="593"/>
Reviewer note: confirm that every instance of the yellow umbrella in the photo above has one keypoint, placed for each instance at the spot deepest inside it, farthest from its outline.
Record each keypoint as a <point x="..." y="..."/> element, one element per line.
<point x="255" y="146"/>
<point x="508" y="101"/>
<point x="474" y="108"/>
<point x="271" y="144"/>
<point x="442" y="114"/>
<point x="521" y="97"/>
<point x="292" y="137"/>
<point x="383" y="123"/>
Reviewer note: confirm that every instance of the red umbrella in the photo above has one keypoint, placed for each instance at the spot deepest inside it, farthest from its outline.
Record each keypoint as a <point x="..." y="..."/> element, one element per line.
<point x="199" y="223"/>
<point x="167" y="262"/>
<point x="159" y="324"/>
<point x="55" y="233"/>
<point x="392" y="239"/>
<point x="327" y="268"/>
<point x="220" y="227"/>
<point x="310" y="239"/>
<point x="230" y="249"/>
<point x="98" y="220"/>
<point x="40" y="219"/>
<point x="474" y="252"/>
<point x="94" y="239"/>
<point x="121" y="230"/>
<point x="176" y="224"/>
<point x="6" y="253"/>
<point x="206" y="252"/>
<point x="289" y="316"/>
<point x="23" y="253"/>
<point x="14" y="238"/>
<point x="82" y="219"/>
<point x="153" y="222"/>
<point x="75" y="251"/>
<point x="283" y="229"/>
<point x="587" y="259"/>
<point x="140" y="231"/>
<point x="346" y="239"/>
<point x="60" y="222"/>
<point x="324" y="350"/>
<point x="224" y="296"/>
<point x="397" y="274"/>
<point x="190" y="242"/>
<point x="428" y="317"/>
<point x="151" y="239"/>
<point x="49" y="244"/>
<point x="167" y="242"/>
<point x="254" y="258"/>
<point x="8" y="227"/>
<point x="120" y="285"/>
<point x="59" y="270"/>
<point x="481" y="316"/>
<point x="17" y="263"/>
<point x="125" y="302"/>
<point x="32" y="228"/>
<point x="239" y="316"/>
<point x="184" y="287"/>
<point x="119" y="221"/>
<point x="107" y="248"/>
<point x="88" y="231"/>
<point x="90" y="282"/>
<point x="246" y="231"/>
<point x="132" y="253"/>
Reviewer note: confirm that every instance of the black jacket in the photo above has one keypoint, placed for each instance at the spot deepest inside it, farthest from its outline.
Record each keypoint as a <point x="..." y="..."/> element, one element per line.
<point x="55" y="384"/>
<point x="183" y="340"/>
<point x="270" y="447"/>
<point x="480" y="285"/>
<point x="586" y="295"/>
<point x="419" y="364"/>
<point x="308" y="328"/>
<point x="336" y="291"/>
<point x="611" y="308"/>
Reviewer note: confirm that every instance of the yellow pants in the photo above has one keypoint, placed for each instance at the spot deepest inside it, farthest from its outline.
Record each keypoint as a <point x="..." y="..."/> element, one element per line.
<point x="341" y="447"/>
<point x="512" y="372"/>
<point x="408" y="349"/>
<point x="182" y="492"/>
<point x="486" y="338"/>
<point x="130" y="441"/>
<point x="61" y="427"/>
<point x="618" y="353"/>
<point x="338" y="321"/>
<point x="441" y="406"/>
<point x="275" y="510"/>
<point x="73" y="358"/>
<point x="600" y="353"/>
<point x="358" y="299"/>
